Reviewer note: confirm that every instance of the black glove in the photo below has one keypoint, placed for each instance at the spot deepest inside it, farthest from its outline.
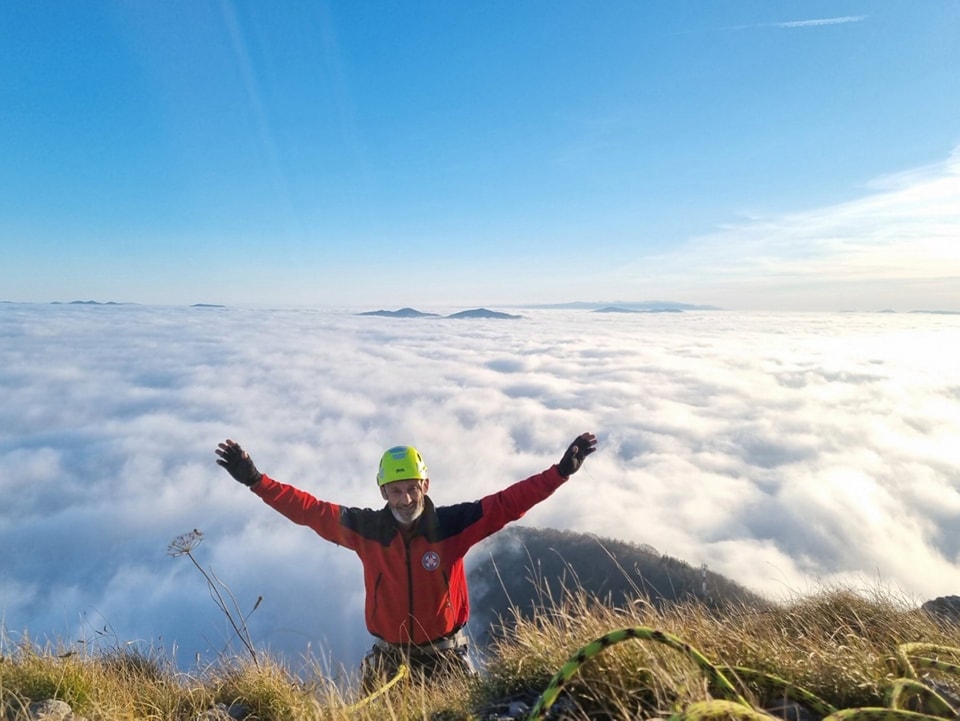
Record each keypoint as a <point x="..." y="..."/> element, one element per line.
<point x="582" y="446"/>
<point x="238" y="463"/>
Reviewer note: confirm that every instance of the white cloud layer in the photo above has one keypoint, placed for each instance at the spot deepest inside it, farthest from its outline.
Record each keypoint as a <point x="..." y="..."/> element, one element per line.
<point x="783" y="450"/>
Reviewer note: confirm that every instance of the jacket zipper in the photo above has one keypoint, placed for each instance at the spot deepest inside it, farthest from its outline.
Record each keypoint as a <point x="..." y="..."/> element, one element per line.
<point x="376" y="595"/>
<point x="446" y="584"/>
<point x="406" y="547"/>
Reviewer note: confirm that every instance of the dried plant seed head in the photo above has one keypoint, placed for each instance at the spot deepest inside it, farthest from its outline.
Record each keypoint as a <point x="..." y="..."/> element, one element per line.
<point x="185" y="543"/>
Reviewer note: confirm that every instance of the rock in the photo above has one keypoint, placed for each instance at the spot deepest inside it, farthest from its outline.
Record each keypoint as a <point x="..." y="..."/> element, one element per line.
<point x="50" y="710"/>
<point x="945" y="609"/>
<point x="223" y="712"/>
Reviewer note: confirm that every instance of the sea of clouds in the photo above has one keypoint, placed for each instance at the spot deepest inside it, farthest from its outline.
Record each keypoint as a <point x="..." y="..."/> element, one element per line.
<point x="786" y="451"/>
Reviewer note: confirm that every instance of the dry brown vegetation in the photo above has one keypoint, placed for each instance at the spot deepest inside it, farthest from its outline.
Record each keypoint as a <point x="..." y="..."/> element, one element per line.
<point x="839" y="644"/>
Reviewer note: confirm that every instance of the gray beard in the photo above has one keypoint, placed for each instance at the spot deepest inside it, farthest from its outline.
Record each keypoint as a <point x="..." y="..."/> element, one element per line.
<point x="407" y="521"/>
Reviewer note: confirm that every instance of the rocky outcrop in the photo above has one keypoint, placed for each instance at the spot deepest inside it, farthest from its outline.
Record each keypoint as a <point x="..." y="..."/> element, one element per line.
<point x="56" y="710"/>
<point x="51" y="710"/>
<point x="944" y="609"/>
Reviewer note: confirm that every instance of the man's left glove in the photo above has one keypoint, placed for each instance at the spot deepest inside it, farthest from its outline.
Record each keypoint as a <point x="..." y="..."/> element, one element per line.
<point x="238" y="463"/>
<point x="582" y="446"/>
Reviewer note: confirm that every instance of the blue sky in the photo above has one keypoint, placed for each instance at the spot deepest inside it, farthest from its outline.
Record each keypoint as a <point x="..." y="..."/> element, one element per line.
<point x="750" y="155"/>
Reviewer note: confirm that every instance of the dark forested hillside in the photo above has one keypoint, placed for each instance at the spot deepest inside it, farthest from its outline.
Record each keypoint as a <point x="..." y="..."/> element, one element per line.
<point x="529" y="567"/>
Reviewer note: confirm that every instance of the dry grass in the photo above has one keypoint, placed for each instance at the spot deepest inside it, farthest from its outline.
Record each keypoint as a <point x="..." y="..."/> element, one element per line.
<point x="838" y="644"/>
<point x="122" y="683"/>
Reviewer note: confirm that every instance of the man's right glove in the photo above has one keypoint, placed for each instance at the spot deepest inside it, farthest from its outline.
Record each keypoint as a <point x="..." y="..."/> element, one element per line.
<point x="238" y="463"/>
<point x="582" y="446"/>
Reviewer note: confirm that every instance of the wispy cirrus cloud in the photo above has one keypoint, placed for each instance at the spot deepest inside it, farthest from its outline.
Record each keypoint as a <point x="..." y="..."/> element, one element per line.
<point x="820" y="22"/>
<point x="895" y="245"/>
<point x="795" y="24"/>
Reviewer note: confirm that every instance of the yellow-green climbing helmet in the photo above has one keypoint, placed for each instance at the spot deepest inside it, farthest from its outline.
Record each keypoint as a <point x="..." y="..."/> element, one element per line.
<point x="401" y="463"/>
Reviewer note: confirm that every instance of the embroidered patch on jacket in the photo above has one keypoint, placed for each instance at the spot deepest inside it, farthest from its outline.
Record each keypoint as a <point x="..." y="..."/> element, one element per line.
<point x="430" y="560"/>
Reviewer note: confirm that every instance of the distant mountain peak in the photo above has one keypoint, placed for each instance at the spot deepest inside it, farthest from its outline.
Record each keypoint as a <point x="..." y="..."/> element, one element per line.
<point x="624" y="305"/>
<point x="88" y="302"/>
<point x="402" y="313"/>
<point x="482" y="313"/>
<point x="413" y="313"/>
<point x="618" y="309"/>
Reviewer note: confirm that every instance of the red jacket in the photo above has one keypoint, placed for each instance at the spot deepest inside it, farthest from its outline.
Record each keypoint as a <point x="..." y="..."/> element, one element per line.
<point x="417" y="590"/>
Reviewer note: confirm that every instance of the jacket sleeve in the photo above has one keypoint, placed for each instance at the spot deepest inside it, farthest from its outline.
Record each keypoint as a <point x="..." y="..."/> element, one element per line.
<point x="510" y="504"/>
<point x="303" y="508"/>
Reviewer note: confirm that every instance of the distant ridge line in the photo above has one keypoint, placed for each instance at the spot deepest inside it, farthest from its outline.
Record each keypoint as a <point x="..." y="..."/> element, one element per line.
<point x="660" y="305"/>
<point x="414" y="313"/>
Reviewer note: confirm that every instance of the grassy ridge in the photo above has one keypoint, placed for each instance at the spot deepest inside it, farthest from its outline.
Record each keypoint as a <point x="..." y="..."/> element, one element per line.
<point x="840" y="645"/>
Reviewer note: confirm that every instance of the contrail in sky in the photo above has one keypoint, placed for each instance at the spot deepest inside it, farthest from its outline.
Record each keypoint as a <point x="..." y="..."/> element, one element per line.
<point x="821" y="21"/>
<point x="790" y="24"/>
